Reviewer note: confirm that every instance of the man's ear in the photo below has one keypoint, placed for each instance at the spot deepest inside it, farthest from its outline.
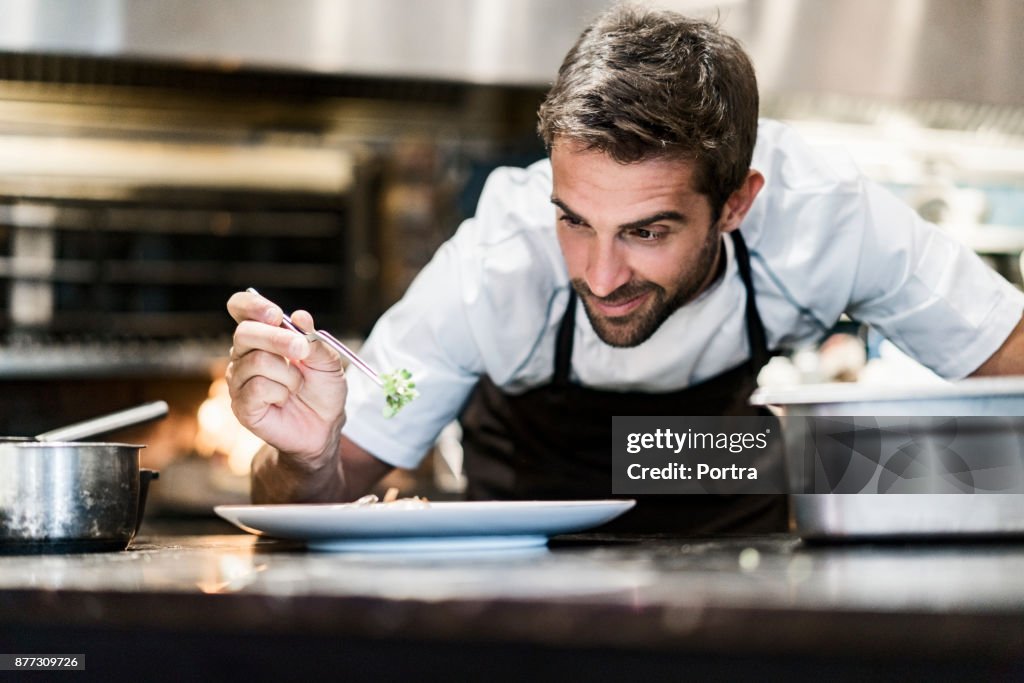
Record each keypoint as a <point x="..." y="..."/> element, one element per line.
<point x="740" y="201"/>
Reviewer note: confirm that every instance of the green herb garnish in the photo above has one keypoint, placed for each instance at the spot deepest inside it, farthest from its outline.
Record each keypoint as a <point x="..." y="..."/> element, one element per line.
<point x="398" y="391"/>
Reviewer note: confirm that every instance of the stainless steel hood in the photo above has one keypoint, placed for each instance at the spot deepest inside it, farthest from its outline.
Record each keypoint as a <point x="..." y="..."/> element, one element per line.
<point x="480" y="41"/>
<point x="926" y="49"/>
<point x="891" y="49"/>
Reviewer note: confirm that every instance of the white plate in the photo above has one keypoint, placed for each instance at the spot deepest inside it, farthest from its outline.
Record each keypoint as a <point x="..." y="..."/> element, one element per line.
<point x="448" y="526"/>
<point x="444" y="545"/>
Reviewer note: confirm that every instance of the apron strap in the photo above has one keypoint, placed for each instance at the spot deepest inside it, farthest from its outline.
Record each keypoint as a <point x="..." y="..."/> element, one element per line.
<point x="563" y="345"/>
<point x="759" y="353"/>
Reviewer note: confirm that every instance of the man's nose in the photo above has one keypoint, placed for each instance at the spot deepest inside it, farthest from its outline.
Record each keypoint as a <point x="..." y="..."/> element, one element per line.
<point x="607" y="269"/>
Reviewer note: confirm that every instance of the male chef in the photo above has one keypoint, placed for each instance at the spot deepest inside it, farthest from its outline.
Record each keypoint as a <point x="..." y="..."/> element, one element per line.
<point x="669" y="244"/>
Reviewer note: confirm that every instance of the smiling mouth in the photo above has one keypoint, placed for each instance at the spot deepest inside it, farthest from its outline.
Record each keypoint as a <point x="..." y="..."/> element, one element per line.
<point x="618" y="309"/>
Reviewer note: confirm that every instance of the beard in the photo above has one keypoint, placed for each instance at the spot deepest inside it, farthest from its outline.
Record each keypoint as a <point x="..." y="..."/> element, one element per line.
<point x="638" y="326"/>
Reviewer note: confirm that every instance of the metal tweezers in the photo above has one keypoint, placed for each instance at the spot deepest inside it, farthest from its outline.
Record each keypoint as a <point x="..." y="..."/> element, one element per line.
<point x="330" y="340"/>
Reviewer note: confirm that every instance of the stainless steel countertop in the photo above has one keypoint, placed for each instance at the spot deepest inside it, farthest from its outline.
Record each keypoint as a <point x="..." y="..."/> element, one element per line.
<point x="597" y="608"/>
<point x="753" y="594"/>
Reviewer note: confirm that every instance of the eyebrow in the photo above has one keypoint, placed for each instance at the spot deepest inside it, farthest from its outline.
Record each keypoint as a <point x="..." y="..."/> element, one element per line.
<point x="632" y="225"/>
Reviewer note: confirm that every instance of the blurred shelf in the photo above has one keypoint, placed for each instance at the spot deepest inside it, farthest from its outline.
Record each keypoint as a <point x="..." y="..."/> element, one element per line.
<point x="113" y="359"/>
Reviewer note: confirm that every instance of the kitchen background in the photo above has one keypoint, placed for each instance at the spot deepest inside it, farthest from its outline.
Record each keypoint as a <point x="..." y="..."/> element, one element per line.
<point x="156" y="156"/>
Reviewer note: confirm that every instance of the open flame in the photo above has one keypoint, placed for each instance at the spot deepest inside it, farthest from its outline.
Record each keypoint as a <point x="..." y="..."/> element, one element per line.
<point x="220" y="433"/>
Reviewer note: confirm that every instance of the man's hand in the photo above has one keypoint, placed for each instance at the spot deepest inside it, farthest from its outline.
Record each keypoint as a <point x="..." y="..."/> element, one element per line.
<point x="287" y="391"/>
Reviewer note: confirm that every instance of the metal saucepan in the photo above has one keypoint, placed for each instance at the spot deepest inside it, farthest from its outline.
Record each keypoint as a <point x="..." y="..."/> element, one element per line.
<point x="61" y="495"/>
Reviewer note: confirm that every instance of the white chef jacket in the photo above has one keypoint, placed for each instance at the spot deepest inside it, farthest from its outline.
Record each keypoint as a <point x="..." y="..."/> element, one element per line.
<point x="823" y="240"/>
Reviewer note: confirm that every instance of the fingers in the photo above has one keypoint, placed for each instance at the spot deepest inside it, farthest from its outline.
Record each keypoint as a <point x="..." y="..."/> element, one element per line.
<point x="253" y="336"/>
<point x="255" y="397"/>
<point x="269" y="366"/>
<point x="276" y="378"/>
<point x="258" y="329"/>
<point x="249" y="306"/>
<point x="303" y="320"/>
<point x="320" y="357"/>
<point x="258" y="380"/>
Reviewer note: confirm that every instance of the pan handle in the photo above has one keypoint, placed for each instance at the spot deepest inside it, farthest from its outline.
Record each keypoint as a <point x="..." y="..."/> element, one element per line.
<point x="145" y="476"/>
<point x="107" y="423"/>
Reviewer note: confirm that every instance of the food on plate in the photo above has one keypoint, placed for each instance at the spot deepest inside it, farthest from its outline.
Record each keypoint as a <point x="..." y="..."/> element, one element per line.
<point x="391" y="500"/>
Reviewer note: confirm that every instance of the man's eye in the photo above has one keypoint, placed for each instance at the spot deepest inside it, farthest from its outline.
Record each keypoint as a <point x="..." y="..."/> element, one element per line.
<point x="571" y="220"/>
<point x="646" y="235"/>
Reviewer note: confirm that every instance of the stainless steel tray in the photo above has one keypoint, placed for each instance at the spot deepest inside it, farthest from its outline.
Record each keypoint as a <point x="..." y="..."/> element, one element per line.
<point x="877" y="516"/>
<point x="995" y="396"/>
<point x="852" y="517"/>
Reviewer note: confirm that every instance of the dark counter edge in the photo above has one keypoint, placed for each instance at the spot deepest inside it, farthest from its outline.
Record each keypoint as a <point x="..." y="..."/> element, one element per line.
<point x="694" y="629"/>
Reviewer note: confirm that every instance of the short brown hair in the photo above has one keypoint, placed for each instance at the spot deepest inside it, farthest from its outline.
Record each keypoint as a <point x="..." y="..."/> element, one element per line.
<point x="643" y="83"/>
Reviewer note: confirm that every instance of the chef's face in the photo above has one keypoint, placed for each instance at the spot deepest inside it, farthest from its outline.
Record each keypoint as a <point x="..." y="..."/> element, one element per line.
<point x="638" y="240"/>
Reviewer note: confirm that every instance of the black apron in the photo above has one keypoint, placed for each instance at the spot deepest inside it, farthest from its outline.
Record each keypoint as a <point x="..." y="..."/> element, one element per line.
<point x="555" y="441"/>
